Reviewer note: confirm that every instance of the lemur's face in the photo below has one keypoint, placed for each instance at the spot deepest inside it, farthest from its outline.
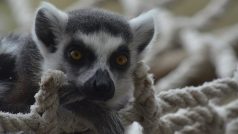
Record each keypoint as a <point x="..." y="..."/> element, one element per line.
<point x="97" y="50"/>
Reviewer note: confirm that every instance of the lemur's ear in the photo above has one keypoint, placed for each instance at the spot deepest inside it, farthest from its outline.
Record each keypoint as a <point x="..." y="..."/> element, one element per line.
<point x="49" y="26"/>
<point x="143" y="29"/>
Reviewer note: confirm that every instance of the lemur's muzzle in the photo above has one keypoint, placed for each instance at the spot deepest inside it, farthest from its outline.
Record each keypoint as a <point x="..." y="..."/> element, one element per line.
<point x="100" y="86"/>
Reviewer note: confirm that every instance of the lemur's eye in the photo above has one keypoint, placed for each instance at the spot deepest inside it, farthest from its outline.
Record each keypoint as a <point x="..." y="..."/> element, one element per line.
<point x="76" y="55"/>
<point x="121" y="60"/>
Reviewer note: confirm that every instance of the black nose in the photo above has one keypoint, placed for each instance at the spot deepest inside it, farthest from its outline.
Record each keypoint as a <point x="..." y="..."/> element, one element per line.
<point x="100" y="86"/>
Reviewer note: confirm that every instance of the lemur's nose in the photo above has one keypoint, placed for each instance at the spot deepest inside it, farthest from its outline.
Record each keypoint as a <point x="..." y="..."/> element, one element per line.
<point x="100" y="86"/>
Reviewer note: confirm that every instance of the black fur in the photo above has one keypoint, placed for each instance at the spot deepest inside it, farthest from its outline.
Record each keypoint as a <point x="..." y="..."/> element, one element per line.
<point x="105" y="121"/>
<point x="44" y="30"/>
<point x="122" y="50"/>
<point x="100" y="86"/>
<point x="88" y="56"/>
<point x="24" y="69"/>
<point x="18" y="95"/>
<point x="7" y="68"/>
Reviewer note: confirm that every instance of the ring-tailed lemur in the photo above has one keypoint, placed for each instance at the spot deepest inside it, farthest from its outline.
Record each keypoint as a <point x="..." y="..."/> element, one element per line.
<point x="96" y="49"/>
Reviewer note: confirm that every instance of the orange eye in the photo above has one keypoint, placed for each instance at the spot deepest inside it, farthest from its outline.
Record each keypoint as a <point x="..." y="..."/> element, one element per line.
<point x="121" y="60"/>
<point x="76" y="55"/>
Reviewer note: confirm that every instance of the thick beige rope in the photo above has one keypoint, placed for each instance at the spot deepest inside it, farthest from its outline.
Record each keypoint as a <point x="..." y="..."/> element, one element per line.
<point x="172" y="100"/>
<point x="158" y="114"/>
<point x="42" y="118"/>
<point x="180" y="111"/>
<point x="232" y="127"/>
<point x="205" y="118"/>
<point x="144" y="109"/>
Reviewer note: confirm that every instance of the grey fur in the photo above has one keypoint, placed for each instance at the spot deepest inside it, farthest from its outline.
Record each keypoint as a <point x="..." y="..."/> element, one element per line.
<point x="103" y="35"/>
<point x="94" y="20"/>
<point x="102" y="119"/>
<point x="17" y="96"/>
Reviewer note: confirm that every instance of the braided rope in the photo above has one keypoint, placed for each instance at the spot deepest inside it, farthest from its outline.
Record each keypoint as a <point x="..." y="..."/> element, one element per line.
<point x="231" y="110"/>
<point x="42" y="118"/>
<point x="232" y="127"/>
<point x="47" y="101"/>
<point x="153" y="112"/>
<point x="202" y="117"/>
<point x="18" y="122"/>
<point x="145" y="109"/>
<point x="172" y="100"/>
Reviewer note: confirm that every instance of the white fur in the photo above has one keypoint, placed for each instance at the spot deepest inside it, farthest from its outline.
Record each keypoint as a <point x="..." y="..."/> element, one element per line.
<point x="142" y="24"/>
<point x="123" y="92"/>
<point x="50" y="59"/>
<point x="102" y="43"/>
<point x="146" y="20"/>
<point x="3" y="88"/>
<point x="57" y="18"/>
<point x="134" y="128"/>
<point x="8" y="47"/>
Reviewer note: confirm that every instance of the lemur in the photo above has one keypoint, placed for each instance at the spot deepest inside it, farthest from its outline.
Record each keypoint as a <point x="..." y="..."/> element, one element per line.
<point x="96" y="49"/>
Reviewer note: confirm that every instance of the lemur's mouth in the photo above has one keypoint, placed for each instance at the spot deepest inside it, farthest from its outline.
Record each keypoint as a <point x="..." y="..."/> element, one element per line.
<point x="70" y="98"/>
<point x="84" y="105"/>
<point x="70" y="93"/>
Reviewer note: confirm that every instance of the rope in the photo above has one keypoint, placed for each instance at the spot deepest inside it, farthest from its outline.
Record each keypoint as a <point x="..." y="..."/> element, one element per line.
<point x="42" y="118"/>
<point x="202" y="117"/>
<point x="172" y="100"/>
<point x="180" y="111"/>
<point x="145" y="109"/>
<point x="160" y="114"/>
<point x="232" y="127"/>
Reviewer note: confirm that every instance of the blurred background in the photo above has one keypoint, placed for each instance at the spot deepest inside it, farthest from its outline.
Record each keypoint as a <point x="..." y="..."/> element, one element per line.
<point x="10" y="9"/>
<point x="196" y="40"/>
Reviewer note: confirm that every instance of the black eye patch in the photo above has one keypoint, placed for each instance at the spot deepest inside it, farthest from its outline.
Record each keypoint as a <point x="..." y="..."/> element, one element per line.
<point x="7" y="68"/>
<point x="87" y="57"/>
<point x="120" y="59"/>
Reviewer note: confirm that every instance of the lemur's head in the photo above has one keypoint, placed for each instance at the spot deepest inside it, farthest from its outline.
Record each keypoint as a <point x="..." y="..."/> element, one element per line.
<point x="96" y="49"/>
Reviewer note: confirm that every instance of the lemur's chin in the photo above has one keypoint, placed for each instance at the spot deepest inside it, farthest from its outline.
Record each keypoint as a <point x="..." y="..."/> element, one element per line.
<point x="73" y="100"/>
<point x="74" y="103"/>
<point x="118" y="104"/>
<point x="100" y="98"/>
<point x="118" y="107"/>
